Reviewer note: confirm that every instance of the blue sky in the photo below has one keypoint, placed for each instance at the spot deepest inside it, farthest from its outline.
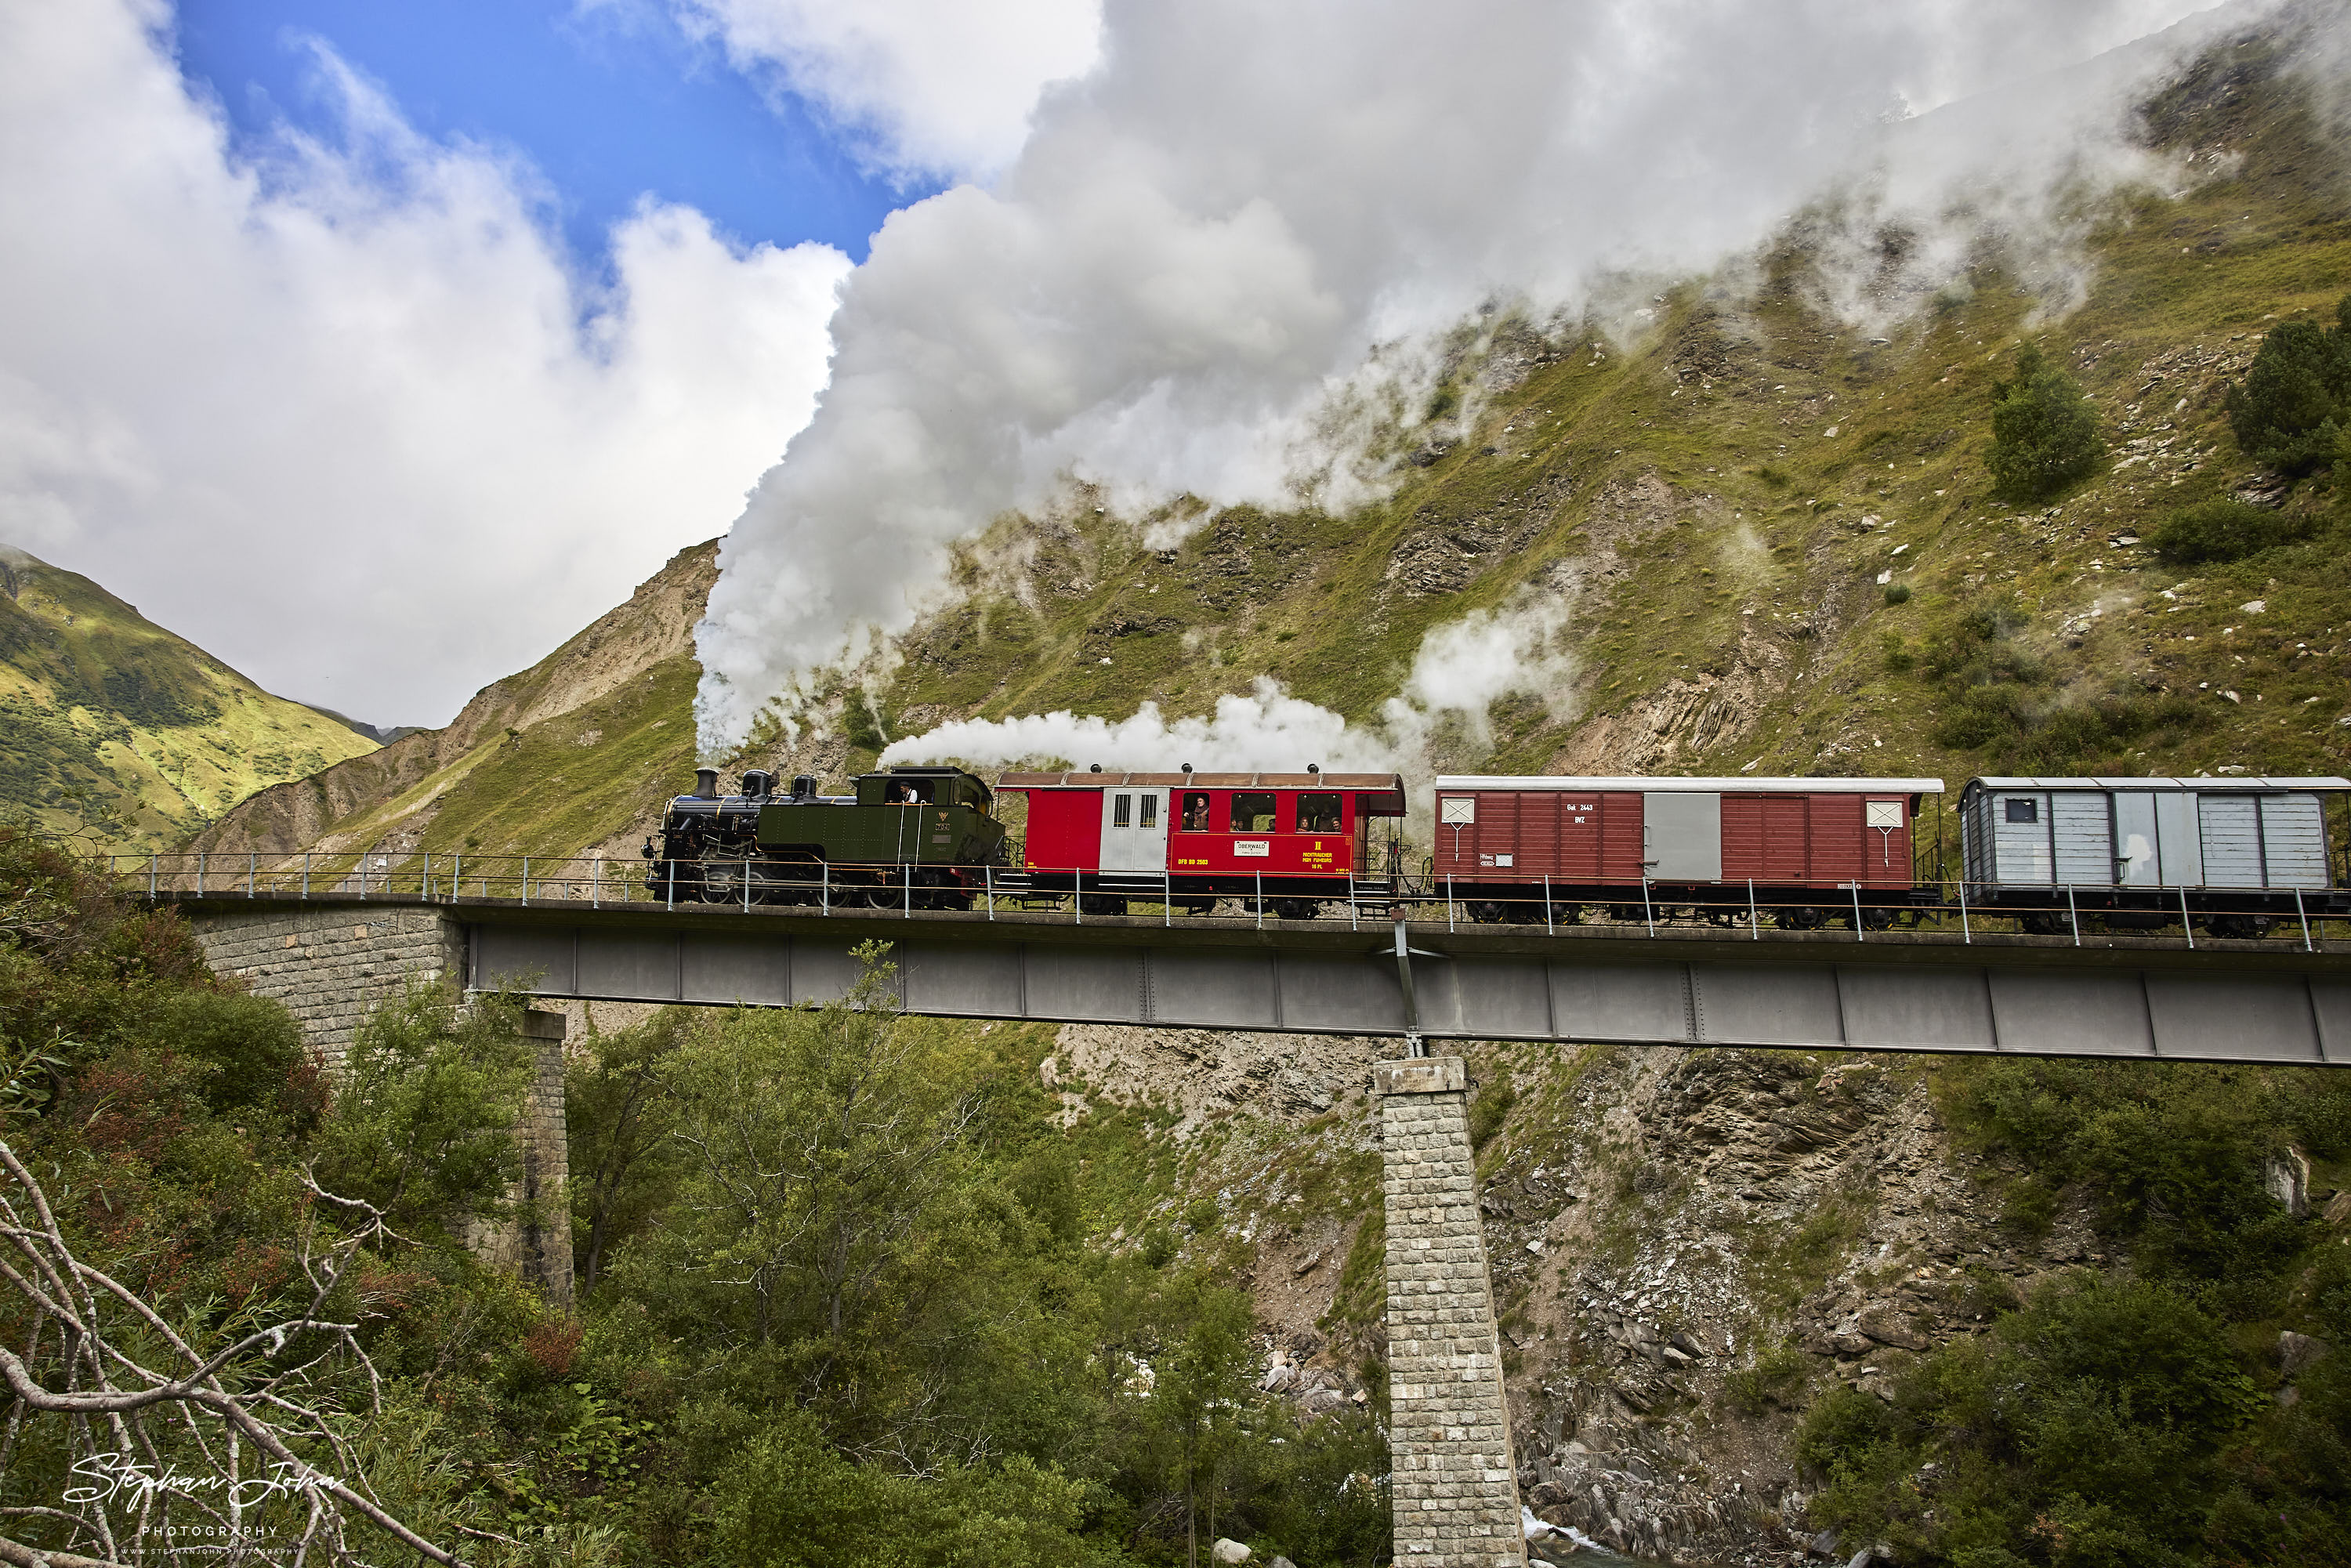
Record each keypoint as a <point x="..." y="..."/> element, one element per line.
<point x="607" y="103"/>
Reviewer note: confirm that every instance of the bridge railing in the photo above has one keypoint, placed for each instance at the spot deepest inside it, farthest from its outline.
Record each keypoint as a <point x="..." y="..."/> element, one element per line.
<point x="2304" y="916"/>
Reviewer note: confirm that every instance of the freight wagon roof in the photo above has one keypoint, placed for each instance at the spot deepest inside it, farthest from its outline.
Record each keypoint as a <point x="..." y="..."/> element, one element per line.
<point x="1705" y="786"/>
<point x="1393" y="782"/>
<point x="2202" y="786"/>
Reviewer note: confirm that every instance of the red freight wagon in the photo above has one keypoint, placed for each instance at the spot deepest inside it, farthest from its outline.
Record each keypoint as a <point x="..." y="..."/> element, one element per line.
<point x="1811" y="849"/>
<point x="1294" y="838"/>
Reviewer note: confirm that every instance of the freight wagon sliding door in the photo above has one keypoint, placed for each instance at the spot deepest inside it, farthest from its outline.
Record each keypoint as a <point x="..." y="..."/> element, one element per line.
<point x="2136" y="863"/>
<point x="1682" y="836"/>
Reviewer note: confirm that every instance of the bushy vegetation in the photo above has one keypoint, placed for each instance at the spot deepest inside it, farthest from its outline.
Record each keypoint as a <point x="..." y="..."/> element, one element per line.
<point x="2225" y="530"/>
<point x="2044" y="434"/>
<point x="841" y="1303"/>
<point x="2132" y="1417"/>
<point x="1999" y="697"/>
<point x="2289" y="412"/>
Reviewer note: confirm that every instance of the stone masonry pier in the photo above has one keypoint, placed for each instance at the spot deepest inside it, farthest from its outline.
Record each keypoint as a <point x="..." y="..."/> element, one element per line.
<point x="1452" y="1487"/>
<point x="330" y="963"/>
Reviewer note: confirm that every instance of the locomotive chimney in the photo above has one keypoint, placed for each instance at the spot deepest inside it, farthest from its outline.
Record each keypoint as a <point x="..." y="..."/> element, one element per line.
<point x="706" y="783"/>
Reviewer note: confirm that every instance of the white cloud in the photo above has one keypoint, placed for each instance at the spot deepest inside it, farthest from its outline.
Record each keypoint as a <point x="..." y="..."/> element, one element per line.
<point x="1207" y="235"/>
<point x="928" y="86"/>
<point x="340" y="413"/>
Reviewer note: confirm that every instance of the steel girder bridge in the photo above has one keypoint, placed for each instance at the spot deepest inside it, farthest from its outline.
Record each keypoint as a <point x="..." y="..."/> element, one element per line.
<point x="2277" y="1001"/>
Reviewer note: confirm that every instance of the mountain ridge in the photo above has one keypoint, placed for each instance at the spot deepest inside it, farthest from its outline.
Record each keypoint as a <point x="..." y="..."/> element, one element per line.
<point x="120" y="728"/>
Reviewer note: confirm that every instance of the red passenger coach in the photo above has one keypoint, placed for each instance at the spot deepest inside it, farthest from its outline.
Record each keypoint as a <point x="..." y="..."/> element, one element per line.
<point x="1293" y="839"/>
<point x="1811" y="850"/>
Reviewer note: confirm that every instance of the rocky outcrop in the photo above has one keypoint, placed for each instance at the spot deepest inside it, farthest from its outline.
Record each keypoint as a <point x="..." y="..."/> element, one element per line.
<point x="1688" y="1246"/>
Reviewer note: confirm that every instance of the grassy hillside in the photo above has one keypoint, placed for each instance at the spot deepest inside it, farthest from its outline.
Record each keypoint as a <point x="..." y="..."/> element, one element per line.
<point x="113" y="725"/>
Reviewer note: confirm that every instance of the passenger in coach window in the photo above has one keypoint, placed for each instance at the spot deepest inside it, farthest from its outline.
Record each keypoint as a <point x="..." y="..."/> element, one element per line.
<point x="1195" y="813"/>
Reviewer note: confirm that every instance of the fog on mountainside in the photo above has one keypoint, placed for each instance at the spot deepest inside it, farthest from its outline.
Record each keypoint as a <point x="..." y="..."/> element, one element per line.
<point x="1218" y="267"/>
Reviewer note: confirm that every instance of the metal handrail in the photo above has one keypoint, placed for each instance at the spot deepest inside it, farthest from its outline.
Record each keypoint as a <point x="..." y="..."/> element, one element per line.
<point x="1968" y="910"/>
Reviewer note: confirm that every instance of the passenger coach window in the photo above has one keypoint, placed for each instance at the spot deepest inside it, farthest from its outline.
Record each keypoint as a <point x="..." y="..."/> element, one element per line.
<point x="1318" y="813"/>
<point x="1195" y="813"/>
<point x="2023" y="811"/>
<point x="1121" y="809"/>
<point x="1252" y="813"/>
<point x="1150" y="810"/>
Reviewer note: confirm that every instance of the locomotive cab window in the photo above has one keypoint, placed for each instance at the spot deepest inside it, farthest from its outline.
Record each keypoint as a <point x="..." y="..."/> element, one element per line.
<point x="1252" y="813"/>
<point x="1318" y="813"/>
<point x="1150" y="805"/>
<point x="1121" y="810"/>
<point x="1196" y="811"/>
<point x="2022" y="810"/>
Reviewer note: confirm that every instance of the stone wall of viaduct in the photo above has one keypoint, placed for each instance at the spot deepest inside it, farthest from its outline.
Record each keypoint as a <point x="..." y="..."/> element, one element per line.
<point x="332" y="966"/>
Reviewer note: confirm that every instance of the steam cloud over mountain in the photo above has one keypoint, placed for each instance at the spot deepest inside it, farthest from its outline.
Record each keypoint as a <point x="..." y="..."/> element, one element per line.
<point x="1212" y="230"/>
<point x="1460" y="670"/>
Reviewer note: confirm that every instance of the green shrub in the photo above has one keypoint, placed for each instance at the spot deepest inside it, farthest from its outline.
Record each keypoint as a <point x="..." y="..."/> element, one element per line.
<point x="862" y="724"/>
<point x="1897" y="594"/>
<point x="2087" y="1428"/>
<point x="2044" y="434"/>
<point x="1772" y="1378"/>
<point x="1491" y="1108"/>
<point x="2223" y="530"/>
<point x="2289" y="411"/>
<point x="250" y="1047"/>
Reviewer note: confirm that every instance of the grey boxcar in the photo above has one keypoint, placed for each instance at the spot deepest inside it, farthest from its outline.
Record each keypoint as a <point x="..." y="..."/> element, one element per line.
<point x="2230" y="852"/>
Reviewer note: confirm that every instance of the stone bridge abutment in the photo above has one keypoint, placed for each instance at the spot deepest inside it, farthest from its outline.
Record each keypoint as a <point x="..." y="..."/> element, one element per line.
<point x="331" y="965"/>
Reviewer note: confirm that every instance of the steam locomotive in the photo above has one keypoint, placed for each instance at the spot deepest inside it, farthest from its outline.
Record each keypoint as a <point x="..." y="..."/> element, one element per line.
<point x="918" y="838"/>
<point x="2228" y="855"/>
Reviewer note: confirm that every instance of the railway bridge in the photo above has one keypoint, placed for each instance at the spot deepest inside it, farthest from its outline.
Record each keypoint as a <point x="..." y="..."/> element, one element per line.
<point x="331" y="952"/>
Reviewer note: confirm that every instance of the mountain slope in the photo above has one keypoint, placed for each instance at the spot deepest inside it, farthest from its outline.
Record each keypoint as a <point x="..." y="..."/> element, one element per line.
<point x="568" y="753"/>
<point x="113" y="724"/>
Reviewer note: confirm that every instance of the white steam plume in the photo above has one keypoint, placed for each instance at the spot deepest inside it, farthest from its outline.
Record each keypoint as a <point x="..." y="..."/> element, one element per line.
<point x="1459" y="672"/>
<point x="1210" y="232"/>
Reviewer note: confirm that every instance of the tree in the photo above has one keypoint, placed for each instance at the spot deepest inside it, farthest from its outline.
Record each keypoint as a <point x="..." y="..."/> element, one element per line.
<point x="2290" y="412"/>
<point x="832" y="1205"/>
<point x="422" y="1126"/>
<point x="622" y="1156"/>
<point x="2044" y="434"/>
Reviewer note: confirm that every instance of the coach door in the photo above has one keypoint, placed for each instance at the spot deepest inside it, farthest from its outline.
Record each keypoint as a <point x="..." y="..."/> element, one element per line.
<point x="1135" y="829"/>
